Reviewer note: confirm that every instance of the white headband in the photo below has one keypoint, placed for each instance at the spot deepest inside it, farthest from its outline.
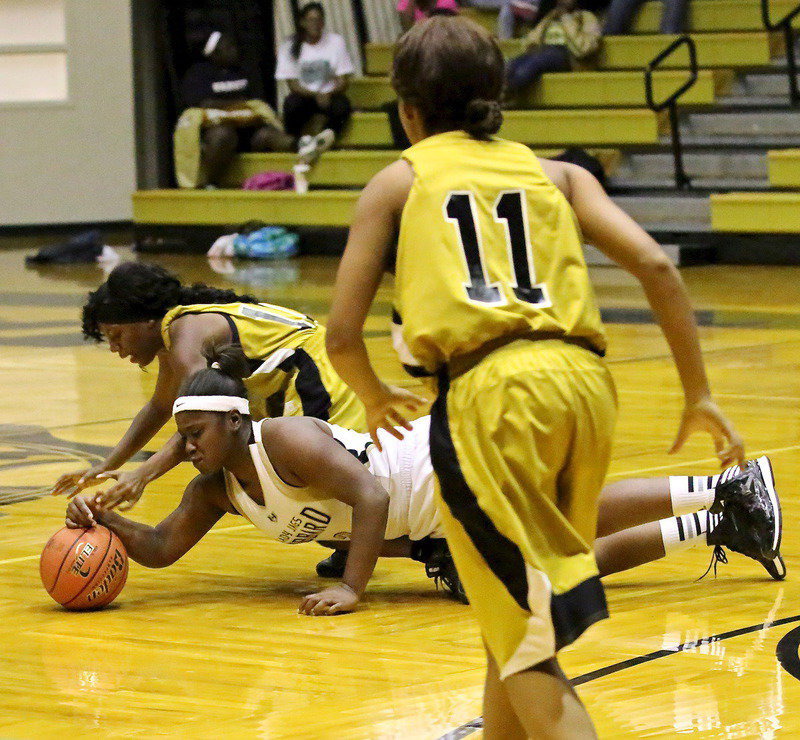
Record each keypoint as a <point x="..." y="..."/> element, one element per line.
<point x="211" y="403"/>
<point x="212" y="42"/>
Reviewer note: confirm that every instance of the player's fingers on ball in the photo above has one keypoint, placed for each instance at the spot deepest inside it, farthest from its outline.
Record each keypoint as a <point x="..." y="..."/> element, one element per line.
<point x="84" y="508"/>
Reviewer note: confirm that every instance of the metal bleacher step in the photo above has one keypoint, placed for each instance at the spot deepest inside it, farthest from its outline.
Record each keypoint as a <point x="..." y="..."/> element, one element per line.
<point x="620" y="185"/>
<point x="668" y="212"/>
<point x="708" y="171"/>
<point x="762" y="85"/>
<point x="748" y="125"/>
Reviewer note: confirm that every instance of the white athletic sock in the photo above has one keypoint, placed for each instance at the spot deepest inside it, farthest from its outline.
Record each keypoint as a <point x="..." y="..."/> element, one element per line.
<point x="684" y="532"/>
<point x="690" y="493"/>
<point x="694" y="492"/>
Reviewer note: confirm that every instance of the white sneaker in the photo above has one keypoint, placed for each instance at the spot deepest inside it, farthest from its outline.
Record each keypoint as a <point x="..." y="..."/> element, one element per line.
<point x="324" y="140"/>
<point x="306" y="148"/>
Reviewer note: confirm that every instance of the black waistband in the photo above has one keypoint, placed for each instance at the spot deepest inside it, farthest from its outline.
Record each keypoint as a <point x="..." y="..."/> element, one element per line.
<point x="461" y="364"/>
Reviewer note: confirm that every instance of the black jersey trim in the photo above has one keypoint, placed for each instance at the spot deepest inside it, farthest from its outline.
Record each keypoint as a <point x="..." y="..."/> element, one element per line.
<point x="314" y="397"/>
<point x="501" y="555"/>
<point x="573" y="611"/>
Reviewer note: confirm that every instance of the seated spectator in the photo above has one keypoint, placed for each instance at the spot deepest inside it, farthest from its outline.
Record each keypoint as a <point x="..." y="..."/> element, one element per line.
<point x="414" y="11"/>
<point x="564" y="35"/>
<point x="220" y="117"/>
<point x="510" y="11"/>
<point x="316" y="65"/>
<point x="620" y="15"/>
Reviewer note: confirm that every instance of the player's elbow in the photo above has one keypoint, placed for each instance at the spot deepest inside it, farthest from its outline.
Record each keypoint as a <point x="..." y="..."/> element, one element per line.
<point x="340" y="340"/>
<point x="656" y="268"/>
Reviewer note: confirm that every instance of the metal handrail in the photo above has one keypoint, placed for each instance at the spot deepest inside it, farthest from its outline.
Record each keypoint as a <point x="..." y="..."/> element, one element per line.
<point x="682" y="181"/>
<point x="771" y="26"/>
<point x="785" y="24"/>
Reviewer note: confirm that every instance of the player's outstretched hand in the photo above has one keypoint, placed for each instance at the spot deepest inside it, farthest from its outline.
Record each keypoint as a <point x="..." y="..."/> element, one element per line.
<point x="706" y="416"/>
<point x="73" y="483"/>
<point x="337" y="599"/>
<point x="79" y="512"/>
<point x="124" y="493"/>
<point x="389" y="411"/>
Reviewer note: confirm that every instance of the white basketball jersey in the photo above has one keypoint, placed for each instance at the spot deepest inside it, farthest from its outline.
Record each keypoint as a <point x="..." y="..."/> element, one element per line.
<point x="293" y="515"/>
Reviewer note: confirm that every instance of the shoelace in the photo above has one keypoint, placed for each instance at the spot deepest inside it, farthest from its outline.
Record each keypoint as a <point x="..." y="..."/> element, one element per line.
<point x="717" y="556"/>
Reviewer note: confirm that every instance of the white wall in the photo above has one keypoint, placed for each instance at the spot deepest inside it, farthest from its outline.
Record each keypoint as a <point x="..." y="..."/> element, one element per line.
<point x="66" y="111"/>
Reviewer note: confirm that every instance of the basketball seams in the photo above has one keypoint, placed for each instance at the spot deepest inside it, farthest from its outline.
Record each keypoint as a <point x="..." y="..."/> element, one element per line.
<point x="64" y="560"/>
<point x="92" y="580"/>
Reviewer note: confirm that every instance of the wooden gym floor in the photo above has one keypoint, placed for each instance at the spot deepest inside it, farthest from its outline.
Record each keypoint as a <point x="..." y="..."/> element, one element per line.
<point x="213" y="645"/>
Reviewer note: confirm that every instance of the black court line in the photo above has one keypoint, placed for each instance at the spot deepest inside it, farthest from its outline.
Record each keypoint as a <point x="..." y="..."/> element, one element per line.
<point x="786" y="652"/>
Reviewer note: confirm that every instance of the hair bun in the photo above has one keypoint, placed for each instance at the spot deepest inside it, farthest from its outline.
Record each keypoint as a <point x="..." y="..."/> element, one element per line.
<point x="483" y="118"/>
<point x="228" y="359"/>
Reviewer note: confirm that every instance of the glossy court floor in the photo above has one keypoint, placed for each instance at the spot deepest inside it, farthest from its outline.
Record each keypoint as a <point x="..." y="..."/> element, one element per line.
<point x="213" y="646"/>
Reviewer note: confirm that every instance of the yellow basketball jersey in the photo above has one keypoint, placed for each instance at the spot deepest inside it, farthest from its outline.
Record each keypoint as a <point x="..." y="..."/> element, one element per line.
<point x="291" y="372"/>
<point x="488" y="247"/>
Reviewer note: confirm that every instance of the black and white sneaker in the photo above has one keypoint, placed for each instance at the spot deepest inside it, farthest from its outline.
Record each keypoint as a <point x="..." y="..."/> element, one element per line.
<point x="440" y="567"/>
<point x="333" y="566"/>
<point x="748" y="517"/>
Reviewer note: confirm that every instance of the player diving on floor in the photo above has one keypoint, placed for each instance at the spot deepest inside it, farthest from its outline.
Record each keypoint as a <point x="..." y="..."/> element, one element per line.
<point x="304" y="480"/>
<point x="145" y="313"/>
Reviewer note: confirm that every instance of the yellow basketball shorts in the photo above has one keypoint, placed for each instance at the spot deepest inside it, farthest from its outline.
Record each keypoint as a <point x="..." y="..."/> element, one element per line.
<point x="520" y="444"/>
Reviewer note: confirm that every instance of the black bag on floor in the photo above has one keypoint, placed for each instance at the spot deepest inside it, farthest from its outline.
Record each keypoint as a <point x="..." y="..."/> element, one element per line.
<point x="85" y="247"/>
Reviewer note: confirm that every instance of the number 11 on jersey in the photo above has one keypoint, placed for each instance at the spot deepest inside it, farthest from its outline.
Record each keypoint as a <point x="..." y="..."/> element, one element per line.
<point x="510" y="212"/>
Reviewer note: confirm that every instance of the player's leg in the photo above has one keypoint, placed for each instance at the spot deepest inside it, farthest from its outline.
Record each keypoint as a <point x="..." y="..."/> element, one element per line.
<point x="500" y="722"/>
<point x="519" y="516"/>
<point x="557" y="711"/>
<point x="218" y="146"/>
<point x="629" y="503"/>
<point x="742" y="533"/>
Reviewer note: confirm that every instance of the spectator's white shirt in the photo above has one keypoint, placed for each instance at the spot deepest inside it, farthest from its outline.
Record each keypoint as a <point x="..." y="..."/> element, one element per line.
<point x="318" y="65"/>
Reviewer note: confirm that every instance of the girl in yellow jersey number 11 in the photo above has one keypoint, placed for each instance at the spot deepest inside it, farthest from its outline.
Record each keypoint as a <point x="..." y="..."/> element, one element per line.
<point x="495" y="298"/>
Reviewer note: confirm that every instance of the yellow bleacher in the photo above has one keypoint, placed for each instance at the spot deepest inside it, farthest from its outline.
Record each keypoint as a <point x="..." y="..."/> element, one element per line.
<point x="600" y="107"/>
<point x="572" y="89"/>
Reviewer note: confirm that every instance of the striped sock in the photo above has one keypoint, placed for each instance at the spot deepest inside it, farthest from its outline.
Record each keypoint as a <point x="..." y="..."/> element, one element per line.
<point x="690" y="493"/>
<point x="684" y="532"/>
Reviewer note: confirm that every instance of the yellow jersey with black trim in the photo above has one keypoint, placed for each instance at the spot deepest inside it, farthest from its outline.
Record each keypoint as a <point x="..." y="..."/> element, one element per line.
<point x="291" y="374"/>
<point x="488" y="247"/>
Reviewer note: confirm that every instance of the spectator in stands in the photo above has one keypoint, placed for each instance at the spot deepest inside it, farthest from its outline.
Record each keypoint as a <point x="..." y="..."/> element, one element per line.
<point x="510" y="11"/>
<point x="620" y="15"/>
<point x="316" y="65"/>
<point x="564" y="35"/>
<point x="221" y="117"/>
<point x="414" y="11"/>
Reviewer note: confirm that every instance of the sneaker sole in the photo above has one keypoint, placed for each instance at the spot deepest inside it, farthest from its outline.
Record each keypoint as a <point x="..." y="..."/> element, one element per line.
<point x="765" y="466"/>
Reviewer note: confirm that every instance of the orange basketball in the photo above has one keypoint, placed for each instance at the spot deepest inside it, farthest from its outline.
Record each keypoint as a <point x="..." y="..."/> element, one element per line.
<point x="84" y="568"/>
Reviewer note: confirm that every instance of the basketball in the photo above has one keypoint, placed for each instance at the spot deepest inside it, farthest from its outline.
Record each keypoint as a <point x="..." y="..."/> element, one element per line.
<point x="84" y="568"/>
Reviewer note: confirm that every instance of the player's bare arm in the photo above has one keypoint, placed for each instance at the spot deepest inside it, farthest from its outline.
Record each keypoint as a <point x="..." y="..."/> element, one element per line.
<point x="374" y="226"/>
<point x="188" y="334"/>
<point x="162" y="545"/>
<point x="612" y="231"/>
<point x="305" y="454"/>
